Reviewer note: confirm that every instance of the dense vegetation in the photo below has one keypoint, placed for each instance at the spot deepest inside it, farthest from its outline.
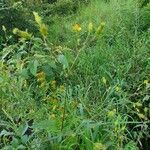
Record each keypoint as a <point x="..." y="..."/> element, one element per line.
<point x="74" y="74"/>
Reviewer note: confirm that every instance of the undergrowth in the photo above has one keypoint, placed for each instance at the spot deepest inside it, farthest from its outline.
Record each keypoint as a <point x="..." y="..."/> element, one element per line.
<point x="82" y="83"/>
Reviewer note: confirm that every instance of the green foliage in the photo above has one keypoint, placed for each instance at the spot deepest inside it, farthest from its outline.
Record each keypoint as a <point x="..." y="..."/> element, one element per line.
<point x="145" y="17"/>
<point x="88" y="90"/>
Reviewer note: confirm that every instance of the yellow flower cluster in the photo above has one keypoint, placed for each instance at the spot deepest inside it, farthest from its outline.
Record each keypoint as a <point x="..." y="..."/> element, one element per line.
<point x="100" y="28"/>
<point x="90" y="27"/>
<point x="41" y="78"/>
<point x="23" y="34"/>
<point x="99" y="146"/>
<point x="111" y="113"/>
<point x="42" y="27"/>
<point x="77" y="27"/>
<point x="146" y="82"/>
<point x="138" y="106"/>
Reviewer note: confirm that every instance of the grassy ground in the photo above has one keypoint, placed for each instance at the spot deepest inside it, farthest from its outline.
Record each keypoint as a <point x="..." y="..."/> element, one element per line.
<point x="85" y="85"/>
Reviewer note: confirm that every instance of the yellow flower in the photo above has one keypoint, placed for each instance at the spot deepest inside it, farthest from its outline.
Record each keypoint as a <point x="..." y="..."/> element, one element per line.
<point x="40" y="75"/>
<point x="111" y="113"/>
<point x="42" y="27"/>
<point x="100" y="28"/>
<point x="117" y="88"/>
<point x="146" y="82"/>
<point x="41" y="78"/>
<point x="23" y="34"/>
<point x="43" y="30"/>
<point x="37" y="18"/>
<point x="90" y="27"/>
<point x="123" y="128"/>
<point x="62" y="88"/>
<point x="15" y="30"/>
<point x="99" y="146"/>
<point x="77" y="27"/>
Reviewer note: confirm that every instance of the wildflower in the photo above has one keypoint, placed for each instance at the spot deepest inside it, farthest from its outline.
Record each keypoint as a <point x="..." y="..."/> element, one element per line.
<point x="117" y="88"/>
<point x="99" y="146"/>
<point x="111" y="113"/>
<point x="42" y="27"/>
<point x="123" y="128"/>
<point x="42" y="84"/>
<point x="4" y="28"/>
<point x="146" y="82"/>
<point x="37" y="18"/>
<point x="15" y="30"/>
<point x="90" y="27"/>
<point x="23" y="34"/>
<point x="77" y="27"/>
<point x="100" y="28"/>
<point x="62" y="88"/>
<point x="43" y="30"/>
<point x="104" y="80"/>
<point x="41" y="78"/>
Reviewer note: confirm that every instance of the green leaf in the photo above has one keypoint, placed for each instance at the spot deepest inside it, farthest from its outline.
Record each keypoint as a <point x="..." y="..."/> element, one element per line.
<point x="33" y="67"/>
<point x="62" y="59"/>
<point x="48" y="125"/>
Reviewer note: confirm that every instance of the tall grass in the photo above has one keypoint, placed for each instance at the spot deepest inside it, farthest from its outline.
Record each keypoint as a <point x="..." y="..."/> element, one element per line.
<point x="79" y="92"/>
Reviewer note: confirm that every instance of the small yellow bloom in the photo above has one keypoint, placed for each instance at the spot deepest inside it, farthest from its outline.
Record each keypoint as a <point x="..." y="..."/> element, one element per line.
<point x="146" y="82"/>
<point x="90" y="27"/>
<point x="53" y="82"/>
<point x="77" y="27"/>
<point x="43" y="30"/>
<point x="117" y="88"/>
<point x="40" y="75"/>
<point x="41" y="78"/>
<point x="99" y="146"/>
<point x="123" y="128"/>
<point x="23" y="34"/>
<point x="100" y="28"/>
<point x="104" y="80"/>
<point x="37" y="18"/>
<point x="42" y="84"/>
<point x="15" y="30"/>
<point x="111" y="113"/>
<point x="62" y="88"/>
